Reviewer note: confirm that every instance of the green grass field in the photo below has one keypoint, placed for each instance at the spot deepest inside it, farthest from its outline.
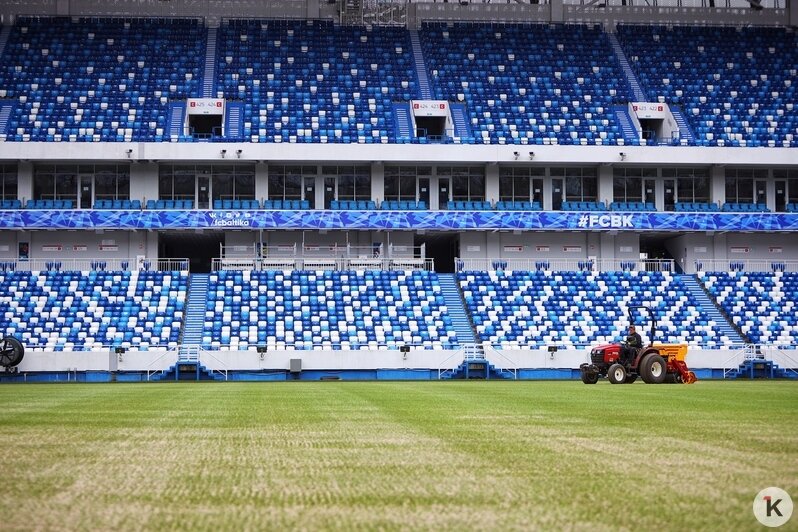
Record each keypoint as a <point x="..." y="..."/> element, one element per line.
<point x="391" y="455"/>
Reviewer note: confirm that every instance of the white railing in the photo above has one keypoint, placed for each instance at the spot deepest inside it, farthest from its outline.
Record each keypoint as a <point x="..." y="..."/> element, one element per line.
<point x="769" y="352"/>
<point x="306" y="256"/>
<point x="93" y="264"/>
<point x="321" y="263"/>
<point x="150" y="368"/>
<point x="460" y="356"/>
<point x="563" y="264"/>
<point x="742" y="265"/>
<point x="203" y="353"/>
<point x="491" y="354"/>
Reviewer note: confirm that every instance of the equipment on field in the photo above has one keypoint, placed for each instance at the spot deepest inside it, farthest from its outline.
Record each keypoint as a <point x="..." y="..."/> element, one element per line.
<point x="11" y="353"/>
<point x="655" y="363"/>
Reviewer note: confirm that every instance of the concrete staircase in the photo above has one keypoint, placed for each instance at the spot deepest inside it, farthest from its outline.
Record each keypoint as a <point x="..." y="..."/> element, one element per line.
<point x="625" y="121"/>
<point x="6" y="108"/>
<point x="685" y="133"/>
<point x="403" y="122"/>
<point x="233" y="121"/>
<point x="209" y="76"/>
<point x="760" y="368"/>
<point x="457" y="312"/>
<point x="177" y="115"/>
<point x="460" y="120"/>
<point x="421" y="66"/>
<point x="195" y="310"/>
<point x="710" y="309"/>
<point x="4" y="34"/>
<point x="631" y="77"/>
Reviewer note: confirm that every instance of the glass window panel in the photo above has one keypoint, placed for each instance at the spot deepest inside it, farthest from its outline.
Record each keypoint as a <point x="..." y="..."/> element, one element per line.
<point x="245" y="186"/>
<point x="407" y="191"/>
<point x="293" y="187"/>
<point x="66" y="185"/>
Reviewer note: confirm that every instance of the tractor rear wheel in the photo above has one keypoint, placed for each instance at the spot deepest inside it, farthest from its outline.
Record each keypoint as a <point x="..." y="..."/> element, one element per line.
<point x="11" y="352"/>
<point x="616" y="374"/>
<point x="653" y="369"/>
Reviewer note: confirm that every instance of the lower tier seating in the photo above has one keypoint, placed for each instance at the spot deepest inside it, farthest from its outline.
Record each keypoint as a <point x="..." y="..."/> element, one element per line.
<point x="326" y="310"/>
<point x="567" y="309"/>
<point x="93" y="310"/>
<point x="763" y="305"/>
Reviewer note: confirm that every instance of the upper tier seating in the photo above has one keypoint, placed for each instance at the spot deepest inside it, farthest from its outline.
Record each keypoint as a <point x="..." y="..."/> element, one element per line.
<point x="326" y="310"/>
<point x="468" y="206"/>
<point x="90" y="79"/>
<point x="93" y="310"/>
<point x="583" y="206"/>
<point x="169" y="205"/>
<point x="49" y="204"/>
<point x="634" y="206"/>
<point x="737" y="86"/>
<point x="247" y="204"/>
<point x="541" y="308"/>
<point x="361" y="205"/>
<point x="697" y="206"/>
<point x="528" y="84"/>
<point x="118" y="204"/>
<point x="518" y="206"/>
<point x="745" y="207"/>
<point x="10" y="204"/>
<point x="403" y="205"/>
<point x="313" y="81"/>
<point x="763" y="305"/>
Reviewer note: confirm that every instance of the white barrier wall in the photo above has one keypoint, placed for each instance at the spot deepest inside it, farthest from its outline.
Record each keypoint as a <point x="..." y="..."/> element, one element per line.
<point x="358" y="360"/>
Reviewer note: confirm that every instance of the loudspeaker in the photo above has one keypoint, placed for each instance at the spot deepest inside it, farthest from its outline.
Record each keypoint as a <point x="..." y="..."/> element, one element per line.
<point x="295" y="365"/>
<point x="404" y="349"/>
<point x="120" y="350"/>
<point x="261" y="349"/>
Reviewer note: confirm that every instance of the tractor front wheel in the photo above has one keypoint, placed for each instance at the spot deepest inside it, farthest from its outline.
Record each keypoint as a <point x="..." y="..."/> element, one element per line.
<point x="653" y="369"/>
<point x="589" y="377"/>
<point x="616" y="374"/>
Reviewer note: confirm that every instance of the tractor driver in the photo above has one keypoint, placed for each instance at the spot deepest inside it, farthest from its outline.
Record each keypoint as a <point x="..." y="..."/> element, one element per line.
<point x="633" y="343"/>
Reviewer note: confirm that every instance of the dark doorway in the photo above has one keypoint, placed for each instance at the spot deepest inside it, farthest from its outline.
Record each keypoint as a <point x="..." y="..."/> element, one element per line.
<point x="443" y="247"/>
<point x="205" y="126"/>
<point x="557" y="194"/>
<point x="669" y="199"/>
<point x="650" y="129"/>
<point x="199" y="248"/>
<point x="654" y="247"/>
<point x="432" y="127"/>
<point x="423" y="190"/>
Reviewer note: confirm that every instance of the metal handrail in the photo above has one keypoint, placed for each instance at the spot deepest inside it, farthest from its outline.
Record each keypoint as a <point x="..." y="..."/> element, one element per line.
<point x="513" y="369"/>
<point x="94" y="264"/>
<point x="202" y="352"/>
<point x="442" y="370"/>
<point x="151" y="372"/>
<point x="587" y="264"/>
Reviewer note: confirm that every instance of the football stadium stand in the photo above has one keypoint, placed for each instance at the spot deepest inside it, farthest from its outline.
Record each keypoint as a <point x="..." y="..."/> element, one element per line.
<point x="93" y="310"/>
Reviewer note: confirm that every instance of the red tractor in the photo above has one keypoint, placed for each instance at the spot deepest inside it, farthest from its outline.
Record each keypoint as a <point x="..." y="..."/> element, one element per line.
<point x="655" y="364"/>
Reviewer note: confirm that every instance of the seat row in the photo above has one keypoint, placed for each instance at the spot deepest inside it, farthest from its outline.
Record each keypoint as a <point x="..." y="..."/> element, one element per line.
<point x="634" y="206"/>
<point x="583" y="206"/>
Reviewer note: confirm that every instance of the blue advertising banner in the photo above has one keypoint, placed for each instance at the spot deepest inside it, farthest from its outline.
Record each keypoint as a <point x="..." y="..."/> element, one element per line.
<point x="396" y="220"/>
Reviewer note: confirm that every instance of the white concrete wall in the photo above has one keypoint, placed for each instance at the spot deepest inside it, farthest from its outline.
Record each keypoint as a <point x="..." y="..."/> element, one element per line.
<point x="356" y="360"/>
<point x="394" y="153"/>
